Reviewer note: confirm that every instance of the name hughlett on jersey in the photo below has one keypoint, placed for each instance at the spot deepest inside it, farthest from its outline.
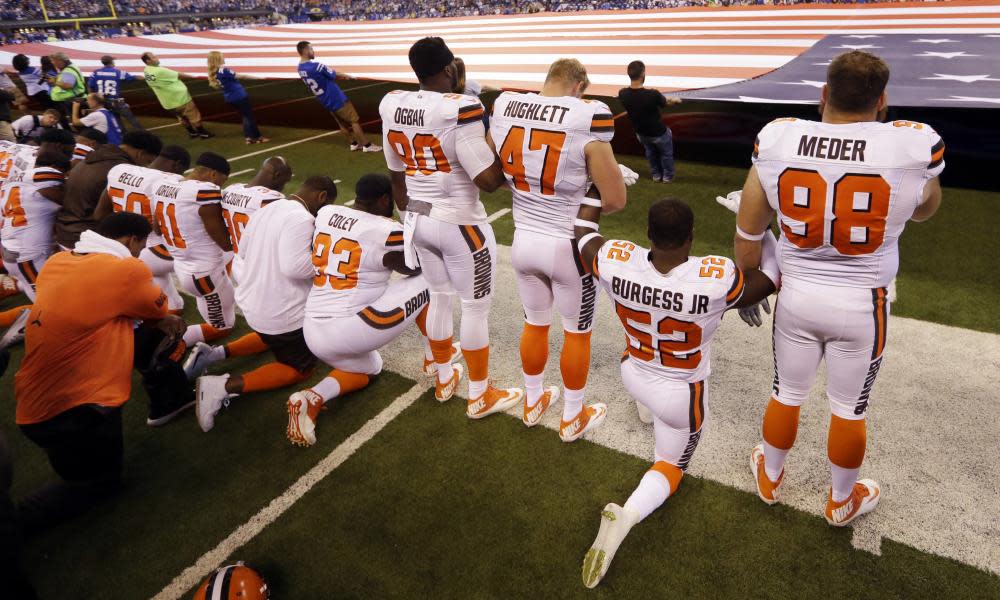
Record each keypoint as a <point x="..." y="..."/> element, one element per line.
<point x="549" y="113"/>
<point x="832" y="148"/>
<point x="657" y="297"/>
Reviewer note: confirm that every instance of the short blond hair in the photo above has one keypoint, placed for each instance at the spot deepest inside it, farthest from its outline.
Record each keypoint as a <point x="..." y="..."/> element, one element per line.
<point x="568" y="70"/>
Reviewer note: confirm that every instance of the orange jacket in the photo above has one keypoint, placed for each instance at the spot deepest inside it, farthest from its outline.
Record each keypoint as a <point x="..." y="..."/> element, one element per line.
<point x="79" y="338"/>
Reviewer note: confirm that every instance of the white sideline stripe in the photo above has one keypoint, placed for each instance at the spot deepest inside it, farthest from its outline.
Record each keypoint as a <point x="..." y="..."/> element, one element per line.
<point x="193" y="575"/>
<point x="237" y="173"/>
<point x="497" y="215"/>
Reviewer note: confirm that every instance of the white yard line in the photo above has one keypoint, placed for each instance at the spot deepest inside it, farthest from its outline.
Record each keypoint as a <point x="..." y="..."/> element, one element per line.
<point x="193" y="575"/>
<point x="497" y="215"/>
<point x="238" y="173"/>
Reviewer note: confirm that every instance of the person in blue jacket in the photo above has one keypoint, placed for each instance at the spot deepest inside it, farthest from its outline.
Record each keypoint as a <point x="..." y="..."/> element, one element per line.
<point x="107" y="81"/>
<point x="222" y="77"/>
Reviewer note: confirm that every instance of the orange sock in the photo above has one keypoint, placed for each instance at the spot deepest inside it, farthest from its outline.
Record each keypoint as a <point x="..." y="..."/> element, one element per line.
<point x="575" y="360"/>
<point x="211" y="333"/>
<point x="350" y="382"/>
<point x="846" y="442"/>
<point x="534" y="348"/>
<point x="441" y="350"/>
<point x="672" y="473"/>
<point x="422" y="321"/>
<point x="247" y="345"/>
<point x="479" y="363"/>
<point x="271" y="377"/>
<point x="8" y="316"/>
<point x="176" y="311"/>
<point x="781" y="424"/>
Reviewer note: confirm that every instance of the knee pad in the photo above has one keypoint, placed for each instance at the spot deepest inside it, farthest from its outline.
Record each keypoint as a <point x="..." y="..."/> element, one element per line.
<point x="478" y="308"/>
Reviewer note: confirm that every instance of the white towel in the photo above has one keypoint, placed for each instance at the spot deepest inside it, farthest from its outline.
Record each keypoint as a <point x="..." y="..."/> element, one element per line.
<point x="91" y="243"/>
<point x="409" y="252"/>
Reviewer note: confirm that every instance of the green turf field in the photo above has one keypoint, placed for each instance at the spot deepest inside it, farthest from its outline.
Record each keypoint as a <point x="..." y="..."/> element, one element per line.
<point x="437" y="506"/>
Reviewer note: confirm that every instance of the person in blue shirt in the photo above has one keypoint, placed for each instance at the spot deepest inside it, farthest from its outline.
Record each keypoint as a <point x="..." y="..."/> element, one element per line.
<point x="222" y="77"/>
<point x="322" y="82"/>
<point x="107" y="81"/>
<point x="98" y="117"/>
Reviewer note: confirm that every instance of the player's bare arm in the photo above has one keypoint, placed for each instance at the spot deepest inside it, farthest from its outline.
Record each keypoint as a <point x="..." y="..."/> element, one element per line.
<point x="396" y="262"/>
<point x="215" y="225"/>
<point x="53" y="194"/>
<point x="104" y="207"/>
<point x="399" y="195"/>
<point x="752" y="220"/>
<point x="606" y="175"/>
<point x="930" y="203"/>
<point x="587" y="238"/>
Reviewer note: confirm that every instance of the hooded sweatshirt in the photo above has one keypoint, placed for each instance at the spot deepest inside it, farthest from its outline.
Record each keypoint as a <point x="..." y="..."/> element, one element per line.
<point x="84" y="185"/>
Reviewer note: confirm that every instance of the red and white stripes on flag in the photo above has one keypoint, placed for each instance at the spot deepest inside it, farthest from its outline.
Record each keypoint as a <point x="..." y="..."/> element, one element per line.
<point x="685" y="48"/>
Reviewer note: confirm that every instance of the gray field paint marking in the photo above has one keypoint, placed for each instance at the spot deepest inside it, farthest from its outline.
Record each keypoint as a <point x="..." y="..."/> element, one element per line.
<point x="194" y="574"/>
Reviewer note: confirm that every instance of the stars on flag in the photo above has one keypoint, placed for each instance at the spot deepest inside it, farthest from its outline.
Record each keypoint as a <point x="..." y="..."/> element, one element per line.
<point x="948" y="55"/>
<point x="935" y="42"/>
<point x="962" y="78"/>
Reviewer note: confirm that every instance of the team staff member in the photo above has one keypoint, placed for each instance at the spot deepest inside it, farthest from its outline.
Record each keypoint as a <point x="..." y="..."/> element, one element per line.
<point x="322" y="82"/>
<point x="87" y="180"/>
<point x="643" y="106"/>
<point x="99" y="117"/>
<point x="107" y="81"/>
<point x="173" y="95"/>
<point x="77" y="368"/>
<point x="67" y="84"/>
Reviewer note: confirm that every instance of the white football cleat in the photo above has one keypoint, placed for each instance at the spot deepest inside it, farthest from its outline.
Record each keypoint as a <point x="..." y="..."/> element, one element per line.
<point x="210" y="396"/>
<point x="616" y="522"/>
<point x="588" y="419"/>
<point x="644" y="413"/>
<point x="430" y="367"/>
<point x="863" y="499"/>
<point x="15" y="333"/>
<point x="371" y="148"/>
<point x="200" y="358"/>
<point x="355" y="146"/>
<point x="303" y="408"/>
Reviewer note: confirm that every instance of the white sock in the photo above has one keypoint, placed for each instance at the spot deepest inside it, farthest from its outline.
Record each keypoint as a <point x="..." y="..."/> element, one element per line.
<point x="193" y="335"/>
<point x="328" y="388"/>
<point x="428" y="355"/>
<point x="843" y="481"/>
<point x="477" y="388"/>
<point x="444" y="373"/>
<point x="653" y="491"/>
<point x="573" y="403"/>
<point x="533" y="388"/>
<point x="774" y="461"/>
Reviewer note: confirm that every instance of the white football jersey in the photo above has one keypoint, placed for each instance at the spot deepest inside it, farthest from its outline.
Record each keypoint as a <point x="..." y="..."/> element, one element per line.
<point x="348" y="248"/>
<point x="131" y="187"/>
<point x="21" y="160"/>
<point x="80" y="152"/>
<point x="669" y="319"/>
<point x="843" y="193"/>
<point x="541" y="143"/>
<point x="239" y="201"/>
<point x="175" y="208"/>
<point x="7" y="152"/>
<point x="421" y="132"/>
<point x="28" y="216"/>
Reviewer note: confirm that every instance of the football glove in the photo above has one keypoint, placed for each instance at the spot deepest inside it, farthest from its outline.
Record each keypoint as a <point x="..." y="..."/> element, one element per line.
<point x="751" y="314"/>
<point x="628" y="175"/>
<point x="731" y="200"/>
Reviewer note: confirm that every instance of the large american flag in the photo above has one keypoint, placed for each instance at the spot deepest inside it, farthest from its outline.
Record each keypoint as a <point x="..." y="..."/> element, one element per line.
<point x="684" y="48"/>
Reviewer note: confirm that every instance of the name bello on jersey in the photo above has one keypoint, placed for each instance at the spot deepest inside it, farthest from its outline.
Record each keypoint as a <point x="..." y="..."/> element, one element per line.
<point x="131" y="179"/>
<point x="414" y="117"/>
<point x="656" y="297"/>
<point x="832" y="148"/>
<point x="536" y="112"/>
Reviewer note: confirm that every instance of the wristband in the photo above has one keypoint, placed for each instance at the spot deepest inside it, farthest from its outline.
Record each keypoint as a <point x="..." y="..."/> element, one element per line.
<point x="587" y="224"/>
<point x="585" y="239"/>
<point x="588" y="201"/>
<point x="750" y="237"/>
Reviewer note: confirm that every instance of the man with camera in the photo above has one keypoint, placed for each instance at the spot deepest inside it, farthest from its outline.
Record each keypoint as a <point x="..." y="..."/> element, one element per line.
<point x="98" y="116"/>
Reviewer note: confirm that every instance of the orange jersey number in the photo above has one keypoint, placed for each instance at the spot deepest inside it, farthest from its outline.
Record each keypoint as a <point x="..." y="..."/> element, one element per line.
<point x="13" y="210"/>
<point x="171" y="235"/>
<point x="415" y="153"/>
<point x="512" y="157"/>
<point x="802" y="197"/>
<point x="236" y="222"/>
<point x="347" y="268"/>
<point x="135" y="202"/>
<point x="674" y="353"/>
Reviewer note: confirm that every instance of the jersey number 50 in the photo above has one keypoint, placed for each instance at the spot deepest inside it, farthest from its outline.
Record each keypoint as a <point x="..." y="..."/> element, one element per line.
<point x="802" y="196"/>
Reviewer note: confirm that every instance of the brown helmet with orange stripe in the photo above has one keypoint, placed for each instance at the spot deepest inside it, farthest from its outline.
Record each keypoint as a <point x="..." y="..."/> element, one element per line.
<point x="233" y="582"/>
